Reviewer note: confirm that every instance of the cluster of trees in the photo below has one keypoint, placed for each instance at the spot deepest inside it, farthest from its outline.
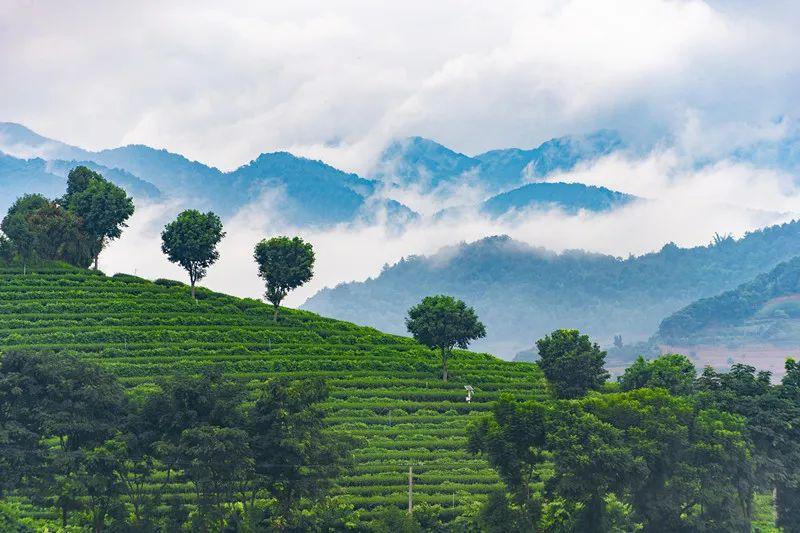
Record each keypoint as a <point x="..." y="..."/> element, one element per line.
<point x="661" y="450"/>
<point x="283" y="263"/>
<point x="77" y="227"/>
<point x="73" y="441"/>
<point x="74" y="228"/>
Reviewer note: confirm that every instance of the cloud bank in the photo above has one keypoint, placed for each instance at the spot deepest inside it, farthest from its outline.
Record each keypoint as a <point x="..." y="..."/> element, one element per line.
<point x="682" y="204"/>
<point x="222" y="83"/>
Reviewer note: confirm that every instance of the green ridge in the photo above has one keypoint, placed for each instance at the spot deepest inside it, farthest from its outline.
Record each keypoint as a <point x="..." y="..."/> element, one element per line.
<point x="385" y="389"/>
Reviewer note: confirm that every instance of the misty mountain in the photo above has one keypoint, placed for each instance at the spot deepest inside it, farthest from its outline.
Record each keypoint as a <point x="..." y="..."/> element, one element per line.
<point x="571" y="197"/>
<point x="309" y="191"/>
<point x="556" y="155"/>
<point x="766" y="309"/>
<point x="23" y="176"/>
<point x="522" y="293"/>
<point x="18" y="141"/>
<point x="782" y="154"/>
<point x="303" y="191"/>
<point x="427" y="164"/>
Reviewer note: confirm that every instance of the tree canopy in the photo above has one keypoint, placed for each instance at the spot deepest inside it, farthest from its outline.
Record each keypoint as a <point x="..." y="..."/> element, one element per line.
<point x="284" y="264"/>
<point x="102" y="206"/>
<point x="191" y="241"/>
<point x="443" y="322"/>
<point x="571" y="363"/>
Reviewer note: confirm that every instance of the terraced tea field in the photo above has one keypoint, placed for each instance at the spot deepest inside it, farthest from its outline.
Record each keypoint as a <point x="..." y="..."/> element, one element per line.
<point x="385" y="389"/>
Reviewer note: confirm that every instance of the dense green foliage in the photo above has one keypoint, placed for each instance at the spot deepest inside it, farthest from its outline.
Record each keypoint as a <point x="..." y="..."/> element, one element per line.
<point x="101" y="206"/>
<point x="673" y="452"/>
<point x="74" y="228"/>
<point x="572" y="364"/>
<point x="72" y="441"/>
<point x="673" y="372"/>
<point x="284" y="264"/>
<point x="191" y="241"/>
<point x="522" y="293"/>
<point x="442" y="323"/>
<point x="384" y="391"/>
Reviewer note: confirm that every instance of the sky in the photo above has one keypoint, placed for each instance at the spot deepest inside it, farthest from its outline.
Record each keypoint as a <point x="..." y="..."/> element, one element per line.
<point x="222" y="82"/>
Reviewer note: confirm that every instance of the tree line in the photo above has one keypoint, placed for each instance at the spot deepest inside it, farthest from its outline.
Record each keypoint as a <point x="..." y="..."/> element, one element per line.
<point x="78" y="226"/>
<point x="73" y="441"/>
<point x="74" y="228"/>
<point x="662" y="449"/>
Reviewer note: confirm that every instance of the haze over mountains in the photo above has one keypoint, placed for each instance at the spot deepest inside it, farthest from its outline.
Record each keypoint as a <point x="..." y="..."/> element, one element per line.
<point x="308" y="192"/>
<point x="521" y="291"/>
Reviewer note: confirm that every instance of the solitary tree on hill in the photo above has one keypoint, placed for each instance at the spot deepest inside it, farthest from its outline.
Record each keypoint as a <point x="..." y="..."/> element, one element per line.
<point x="284" y="264"/>
<point x="442" y="322"/>
<point x="571" y="363"/>
<point x="102" y="206"/>
<point x="191" y="241"/>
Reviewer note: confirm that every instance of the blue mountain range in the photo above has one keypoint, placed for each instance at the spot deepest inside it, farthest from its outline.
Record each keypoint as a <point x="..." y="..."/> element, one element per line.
<point x="306" y="191"/>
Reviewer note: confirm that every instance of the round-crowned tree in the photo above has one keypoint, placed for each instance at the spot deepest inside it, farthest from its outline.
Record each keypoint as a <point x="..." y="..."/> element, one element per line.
<point x="102" y="207"/>
<point x="284" y="264"/>
<point x="443" y="322"/>
<point x="191" y="241"/>
<point x="571" y="363"/>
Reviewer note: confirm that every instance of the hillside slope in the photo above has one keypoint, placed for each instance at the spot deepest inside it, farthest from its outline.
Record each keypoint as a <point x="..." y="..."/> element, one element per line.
<point x="770" y="298"/>
<point x="385" y="389"/>
<point x="522" y="293"/>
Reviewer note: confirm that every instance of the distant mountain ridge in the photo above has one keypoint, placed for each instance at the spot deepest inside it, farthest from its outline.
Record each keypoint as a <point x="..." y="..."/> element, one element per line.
<point x="761" y="303"/>
<point x="571" y="197"/>
<point x="425" y="163"/>
<point x="310" y="192"/>
<point x="522" y="293"/>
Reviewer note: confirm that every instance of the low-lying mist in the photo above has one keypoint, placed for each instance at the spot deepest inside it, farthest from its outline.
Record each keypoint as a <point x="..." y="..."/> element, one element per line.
<point x="684" y="203"/>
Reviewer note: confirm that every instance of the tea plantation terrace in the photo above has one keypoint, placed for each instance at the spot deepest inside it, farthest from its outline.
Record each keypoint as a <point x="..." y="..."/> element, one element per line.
<point x="385" y="389"/>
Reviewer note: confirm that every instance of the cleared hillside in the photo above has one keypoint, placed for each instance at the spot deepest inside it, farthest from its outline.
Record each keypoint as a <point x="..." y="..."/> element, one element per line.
<point x="385" y="389"/>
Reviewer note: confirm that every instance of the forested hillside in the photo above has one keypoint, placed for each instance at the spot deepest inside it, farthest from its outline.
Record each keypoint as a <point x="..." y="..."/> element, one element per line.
<point x="766" y="309"/>
<point x="385" y="391"/>
<point x="522" y="293"/>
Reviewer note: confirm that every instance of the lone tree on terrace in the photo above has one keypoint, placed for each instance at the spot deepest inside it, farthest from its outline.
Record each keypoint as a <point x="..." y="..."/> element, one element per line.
<point x="442" y="322"/>
<point x="284" y="264"/>
<point x="191" y="241"/>
<point x="102" y="207"/>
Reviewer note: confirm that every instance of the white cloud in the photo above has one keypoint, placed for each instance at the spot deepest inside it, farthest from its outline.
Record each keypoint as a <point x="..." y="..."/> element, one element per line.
<point x="224" y="82"/>
<point x="685" y="205"/>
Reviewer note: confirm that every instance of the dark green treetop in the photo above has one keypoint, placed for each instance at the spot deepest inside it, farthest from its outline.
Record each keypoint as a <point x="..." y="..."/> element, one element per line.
<point x="571" y="363"/>
<point x="673" y="372"/>
<point x="191" y="241"/>
<point x="284" y="264"/>
<point x="443" y="322"/>
<point x="102" y="206"/>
